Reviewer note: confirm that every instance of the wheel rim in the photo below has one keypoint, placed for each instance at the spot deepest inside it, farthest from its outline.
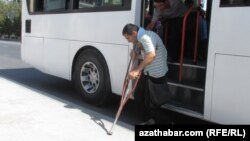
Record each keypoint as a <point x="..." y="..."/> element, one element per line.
<point x="89" y="77"/>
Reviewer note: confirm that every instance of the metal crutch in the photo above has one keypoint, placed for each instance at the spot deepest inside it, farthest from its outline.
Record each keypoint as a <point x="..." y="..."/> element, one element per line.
<point x="126" y="94"/>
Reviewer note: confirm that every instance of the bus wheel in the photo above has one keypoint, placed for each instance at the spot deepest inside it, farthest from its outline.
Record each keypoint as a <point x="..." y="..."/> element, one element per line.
<point x="91" y="77"/>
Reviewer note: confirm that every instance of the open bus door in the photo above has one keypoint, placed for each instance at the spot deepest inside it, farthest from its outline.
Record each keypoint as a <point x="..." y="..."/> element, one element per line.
<point x="215" y="88"/>
<point x="189" y="92"/>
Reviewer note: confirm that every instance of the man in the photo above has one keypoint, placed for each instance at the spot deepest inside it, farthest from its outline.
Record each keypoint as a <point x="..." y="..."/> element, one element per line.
<point x="170" y="13"/>
<point x="153" y="66"/>
<point x="167" y="9"/>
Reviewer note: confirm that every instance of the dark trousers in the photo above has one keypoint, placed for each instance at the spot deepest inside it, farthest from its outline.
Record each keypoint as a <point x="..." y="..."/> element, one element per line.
<point x="144" y="104"/>
<point x="172" y="36"/>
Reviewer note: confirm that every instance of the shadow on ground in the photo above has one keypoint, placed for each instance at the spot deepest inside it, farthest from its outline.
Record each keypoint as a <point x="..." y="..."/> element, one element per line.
<point x="63" y="90"/>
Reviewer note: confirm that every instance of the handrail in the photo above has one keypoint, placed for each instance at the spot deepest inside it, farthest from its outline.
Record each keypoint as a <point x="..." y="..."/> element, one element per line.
<point x="196" y="33"/>
<point x="196" y="36"/>
<point x="183" y="40"/>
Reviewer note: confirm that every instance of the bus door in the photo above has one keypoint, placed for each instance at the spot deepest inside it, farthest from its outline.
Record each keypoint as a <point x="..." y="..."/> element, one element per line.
<point x="227" y="80"/>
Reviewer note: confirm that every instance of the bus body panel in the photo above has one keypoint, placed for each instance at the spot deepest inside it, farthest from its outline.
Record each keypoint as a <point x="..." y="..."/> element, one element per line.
<point x="226" y="92"/>
<point x="56" y="38"/>
<point x="61" y="29"/>
<point x="32" y="51"/>
<point x="56" y="57"/>
<point x="85" y="27"/>
<point x="32" y="44"/>
<point x="230" y="98"/>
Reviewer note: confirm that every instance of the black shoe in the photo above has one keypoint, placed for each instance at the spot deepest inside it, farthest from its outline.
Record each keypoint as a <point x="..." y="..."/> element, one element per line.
<point x="149" y="122"/>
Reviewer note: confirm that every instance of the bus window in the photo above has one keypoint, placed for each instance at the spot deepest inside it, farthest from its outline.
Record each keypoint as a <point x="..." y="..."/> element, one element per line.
<point x="79" y="4"/>
<point x="54" y="4"/>
<point x="234" y="3"/>
<point x="47" y="5"/>
<point x="112" y="3"/>
<point x="35" y="6"/>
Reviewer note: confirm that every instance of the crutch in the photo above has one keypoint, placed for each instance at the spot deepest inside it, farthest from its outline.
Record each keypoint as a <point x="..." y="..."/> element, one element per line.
<point x="126" y="94"/>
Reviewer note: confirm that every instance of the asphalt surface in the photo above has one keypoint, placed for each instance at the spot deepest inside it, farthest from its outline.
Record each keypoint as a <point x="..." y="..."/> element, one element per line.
<point x="37" y="106"/>
<point x="33" y="115"/>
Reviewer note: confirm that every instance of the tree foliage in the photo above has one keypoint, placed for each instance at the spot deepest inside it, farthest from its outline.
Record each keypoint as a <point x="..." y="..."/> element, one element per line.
<point x="10" y="17"/>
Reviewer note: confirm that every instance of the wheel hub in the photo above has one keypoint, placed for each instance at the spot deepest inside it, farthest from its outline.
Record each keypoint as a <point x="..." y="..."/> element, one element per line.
<point x="89" y="77"/>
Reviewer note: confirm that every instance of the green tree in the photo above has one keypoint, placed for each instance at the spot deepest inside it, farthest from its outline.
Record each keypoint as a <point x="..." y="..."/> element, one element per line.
<point x="7" y="26"/>
<point x="17" y="26"/>
<point x="2" y="11"/>
<point x="10" y="19"/>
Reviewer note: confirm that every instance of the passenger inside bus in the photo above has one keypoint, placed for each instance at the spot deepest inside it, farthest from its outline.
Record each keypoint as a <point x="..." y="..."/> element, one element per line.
<point x="169" y="13"/>
<point x="147" y="13"/>
<point x="203" y="40"/>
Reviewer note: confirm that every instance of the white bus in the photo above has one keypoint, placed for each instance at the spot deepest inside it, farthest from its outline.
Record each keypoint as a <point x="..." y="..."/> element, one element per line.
<point x="81" y="40"/>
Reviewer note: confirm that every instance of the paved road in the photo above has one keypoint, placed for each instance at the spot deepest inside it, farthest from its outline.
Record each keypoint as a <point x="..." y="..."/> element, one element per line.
<point x="36" y="106"/>
<point x="28" y="115"/>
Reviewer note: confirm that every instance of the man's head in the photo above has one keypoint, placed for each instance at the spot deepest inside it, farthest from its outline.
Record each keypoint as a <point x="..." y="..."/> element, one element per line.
<point x="130" y="32"/>
<point x="162" y="4"/>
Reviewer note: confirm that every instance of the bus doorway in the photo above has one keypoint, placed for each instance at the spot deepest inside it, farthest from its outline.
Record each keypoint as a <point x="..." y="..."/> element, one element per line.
<point x="187" y="74"/>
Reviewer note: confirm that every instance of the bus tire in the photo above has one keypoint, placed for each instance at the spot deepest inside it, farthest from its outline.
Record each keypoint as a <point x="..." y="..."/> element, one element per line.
<point x="91" y="77"/>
